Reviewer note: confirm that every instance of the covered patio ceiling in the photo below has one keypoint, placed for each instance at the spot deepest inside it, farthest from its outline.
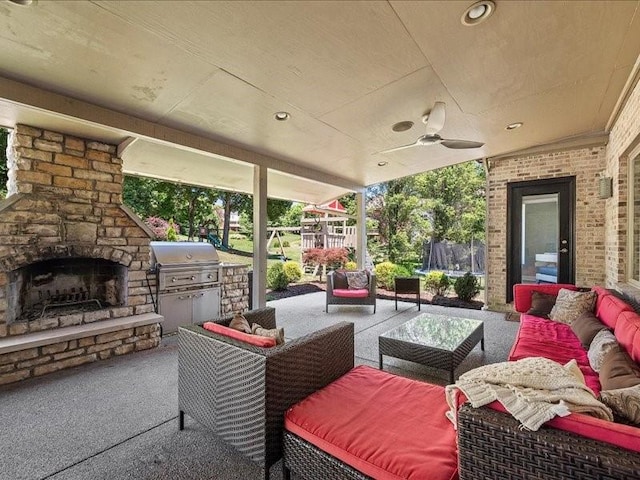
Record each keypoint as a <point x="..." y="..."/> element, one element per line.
<point x="189" y="89"/>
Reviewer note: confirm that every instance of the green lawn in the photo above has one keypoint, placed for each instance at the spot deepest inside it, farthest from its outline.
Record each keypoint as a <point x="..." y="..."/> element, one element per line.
<point x="246" y="245"/>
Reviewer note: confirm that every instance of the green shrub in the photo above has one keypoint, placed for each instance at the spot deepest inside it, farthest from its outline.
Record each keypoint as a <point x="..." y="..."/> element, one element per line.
<point x="285" y="244"/>
<point x="172" y="235"/>
<point x="385" y="274"/>
<point x="350" y="266"/>
<point x="293" y="271"/>
<point x="467" y="287"/>
<point x="437" y="282"/>
<point x="402" y="271"/>
<point x="276" y="278"/>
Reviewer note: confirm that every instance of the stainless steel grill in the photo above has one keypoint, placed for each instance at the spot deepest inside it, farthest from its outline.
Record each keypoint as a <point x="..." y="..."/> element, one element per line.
<point x="188" y="277"/>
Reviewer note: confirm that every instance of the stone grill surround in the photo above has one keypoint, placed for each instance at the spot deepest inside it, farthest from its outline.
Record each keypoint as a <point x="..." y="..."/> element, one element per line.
<point x="65" y="201"/>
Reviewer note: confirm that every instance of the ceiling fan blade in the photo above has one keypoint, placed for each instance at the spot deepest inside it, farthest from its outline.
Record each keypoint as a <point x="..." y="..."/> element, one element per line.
<point x="436" y="118"/>
<point x="414" y="144"/>
<point x="460" y="144"/>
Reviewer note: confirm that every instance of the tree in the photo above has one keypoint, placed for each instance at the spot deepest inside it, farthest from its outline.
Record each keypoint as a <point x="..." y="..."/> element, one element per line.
<point x="454" y="198"/>
<point x="398" y="210"/>
<point x="188" y="205"/>
<point x="293" y="216"/>
<point x="232" y="202"/>
<point x="276" y="209"/>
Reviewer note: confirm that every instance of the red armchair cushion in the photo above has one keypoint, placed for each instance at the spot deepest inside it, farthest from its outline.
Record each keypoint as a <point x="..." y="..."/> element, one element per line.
<point x="346" y="293"/>
<point x="385" y="426"/>
<point x="257" y="340"/>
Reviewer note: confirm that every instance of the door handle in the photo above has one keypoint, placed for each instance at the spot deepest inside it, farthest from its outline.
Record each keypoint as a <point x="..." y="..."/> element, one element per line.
<point x="564" y="250"/>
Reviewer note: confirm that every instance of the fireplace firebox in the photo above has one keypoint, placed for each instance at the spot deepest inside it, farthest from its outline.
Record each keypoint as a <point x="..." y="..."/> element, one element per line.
<point x="64" y="287"/>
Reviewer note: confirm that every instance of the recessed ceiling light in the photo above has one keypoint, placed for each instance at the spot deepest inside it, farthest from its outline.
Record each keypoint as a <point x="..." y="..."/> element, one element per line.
<point x="513" y="126"/>
<point x="24" y="3"/>
<point x="478" y="12"/>
<point x="383" y="164"/>
<point x="281" y="116"/>
<point x="402" y="126"/>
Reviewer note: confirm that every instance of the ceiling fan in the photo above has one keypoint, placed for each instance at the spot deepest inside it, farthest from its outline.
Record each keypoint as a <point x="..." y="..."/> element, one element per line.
<point x="434" y="121"/>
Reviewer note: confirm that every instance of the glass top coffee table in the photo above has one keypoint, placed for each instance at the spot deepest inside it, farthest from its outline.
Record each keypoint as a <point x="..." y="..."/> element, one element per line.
<point x="437" y="341"/>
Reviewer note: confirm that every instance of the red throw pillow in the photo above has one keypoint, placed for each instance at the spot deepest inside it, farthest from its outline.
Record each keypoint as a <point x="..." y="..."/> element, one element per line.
<point x="257" y="340"/>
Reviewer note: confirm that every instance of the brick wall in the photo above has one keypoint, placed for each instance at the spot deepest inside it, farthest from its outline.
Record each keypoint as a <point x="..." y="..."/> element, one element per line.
<point x="583" y="163"/>
<point x="623" y="138"/>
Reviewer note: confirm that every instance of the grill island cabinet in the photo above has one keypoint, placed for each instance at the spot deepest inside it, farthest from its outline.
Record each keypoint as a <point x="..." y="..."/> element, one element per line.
<point x="188" y="276"/>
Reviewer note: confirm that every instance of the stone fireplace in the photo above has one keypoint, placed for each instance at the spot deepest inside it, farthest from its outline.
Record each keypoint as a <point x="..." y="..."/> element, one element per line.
<point x="73" y="258"/>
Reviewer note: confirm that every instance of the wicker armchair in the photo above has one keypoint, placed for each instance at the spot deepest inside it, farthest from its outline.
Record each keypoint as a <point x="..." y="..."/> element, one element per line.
<point x="336" y="282"/>
<point x="241" y="391"/>
<point x="491" y="445"/>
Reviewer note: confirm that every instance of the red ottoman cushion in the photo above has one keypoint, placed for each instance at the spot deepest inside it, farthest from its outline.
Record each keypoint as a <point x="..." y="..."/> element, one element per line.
<point x="385" y="426"/>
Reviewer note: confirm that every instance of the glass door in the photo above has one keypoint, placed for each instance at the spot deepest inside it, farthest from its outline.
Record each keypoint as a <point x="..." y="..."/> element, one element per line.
<point x="540" y="236"/>
<point x="539" y="250"/>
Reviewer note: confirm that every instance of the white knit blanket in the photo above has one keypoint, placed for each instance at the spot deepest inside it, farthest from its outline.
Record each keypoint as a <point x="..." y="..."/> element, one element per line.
<point x="533" y="390"/>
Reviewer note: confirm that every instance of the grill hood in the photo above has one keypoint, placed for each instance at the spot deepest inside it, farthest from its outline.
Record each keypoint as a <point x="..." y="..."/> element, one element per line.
<point x="166" y="254"/>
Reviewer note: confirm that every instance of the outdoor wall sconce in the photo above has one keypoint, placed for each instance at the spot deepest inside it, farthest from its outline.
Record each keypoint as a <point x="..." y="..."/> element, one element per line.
<point x="605" y="187"/>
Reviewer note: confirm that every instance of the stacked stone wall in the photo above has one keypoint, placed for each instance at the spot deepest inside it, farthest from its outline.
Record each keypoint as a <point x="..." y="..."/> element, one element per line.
<point x="235" y="290"/>
<point x="65" y="200"/>
<point x="33" y="362"/>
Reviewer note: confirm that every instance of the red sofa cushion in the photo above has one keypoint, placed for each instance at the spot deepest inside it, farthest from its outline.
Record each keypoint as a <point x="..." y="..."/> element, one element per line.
<point x="385" y="426"/>
<point x="627" y="331"/>
<point x="257" y="340"/>
<point x="522" y="293"/>
<point x="538" y="337"/>
<point x="609" y="307"/>
<point x="346" y="293"/>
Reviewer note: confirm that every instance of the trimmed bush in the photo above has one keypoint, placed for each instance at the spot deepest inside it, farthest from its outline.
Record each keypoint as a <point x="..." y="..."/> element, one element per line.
<point x="437" y="283"/>
<point x="293" y="271"/>
<point x="467" y="287"/>
<point x="276" y="278"/>
<point x="385" y="274"/>
<point x="285" y="244"/>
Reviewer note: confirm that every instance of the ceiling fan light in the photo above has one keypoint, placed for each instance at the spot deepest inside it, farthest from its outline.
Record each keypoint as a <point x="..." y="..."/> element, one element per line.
<point x="513" y="126"/>
<point x="478" y="12"/>
<point x="402" y="126"/>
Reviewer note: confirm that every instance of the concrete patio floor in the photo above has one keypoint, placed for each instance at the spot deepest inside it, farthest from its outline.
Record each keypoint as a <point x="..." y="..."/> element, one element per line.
<point x="117" y="419"/>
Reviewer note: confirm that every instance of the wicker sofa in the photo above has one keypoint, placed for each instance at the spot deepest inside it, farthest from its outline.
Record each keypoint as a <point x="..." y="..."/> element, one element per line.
<point x="241" y="391"/>
<point x="491" y="444"/>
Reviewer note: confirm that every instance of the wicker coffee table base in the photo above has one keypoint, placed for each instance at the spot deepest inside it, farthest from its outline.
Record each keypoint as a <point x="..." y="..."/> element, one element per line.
<point x="431" y="356"/>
